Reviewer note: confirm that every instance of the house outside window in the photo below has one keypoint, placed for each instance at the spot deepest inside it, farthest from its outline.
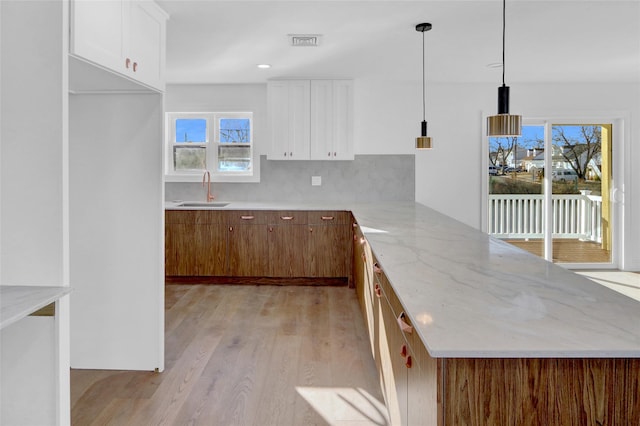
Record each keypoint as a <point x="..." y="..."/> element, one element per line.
<point x="220" y="142"/>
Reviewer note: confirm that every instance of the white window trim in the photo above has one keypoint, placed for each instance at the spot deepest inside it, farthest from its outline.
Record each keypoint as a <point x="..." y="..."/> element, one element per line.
<point x="212" y="142"/>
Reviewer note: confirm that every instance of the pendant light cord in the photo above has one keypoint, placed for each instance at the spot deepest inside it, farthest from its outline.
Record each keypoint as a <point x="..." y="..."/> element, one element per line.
<point x="423" y="82"/>
<point x="504" y="24"/>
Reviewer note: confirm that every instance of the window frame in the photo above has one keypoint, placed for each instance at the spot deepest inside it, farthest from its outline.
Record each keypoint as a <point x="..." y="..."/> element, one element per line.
<point x="211" y="145"/>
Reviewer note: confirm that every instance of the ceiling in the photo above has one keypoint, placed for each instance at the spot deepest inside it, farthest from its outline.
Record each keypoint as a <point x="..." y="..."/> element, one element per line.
<point x="547" y="41"/>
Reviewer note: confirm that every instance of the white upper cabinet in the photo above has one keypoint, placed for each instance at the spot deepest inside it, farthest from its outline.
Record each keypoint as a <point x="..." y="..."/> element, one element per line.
<point x="289" y="119"/>
<point x="332" y="120"/>
<point x="124" y="36"/>
<point x="311" y="119"/>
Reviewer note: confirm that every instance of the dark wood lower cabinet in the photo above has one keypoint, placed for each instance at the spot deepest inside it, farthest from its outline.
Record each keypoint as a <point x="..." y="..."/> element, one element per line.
<point x="261" y="245"/>
<point x="248" y="244"/>
<point x="288" y="250"/>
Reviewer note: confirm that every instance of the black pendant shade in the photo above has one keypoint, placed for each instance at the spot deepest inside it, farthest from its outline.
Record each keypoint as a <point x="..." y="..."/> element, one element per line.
<point x="423" y="141"/>
<point x="504" y="124"/>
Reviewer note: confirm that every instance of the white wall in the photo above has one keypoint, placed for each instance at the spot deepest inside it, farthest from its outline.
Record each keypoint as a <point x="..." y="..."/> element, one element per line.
<point x="33" y="198"/>
<point x="116" y="235"/>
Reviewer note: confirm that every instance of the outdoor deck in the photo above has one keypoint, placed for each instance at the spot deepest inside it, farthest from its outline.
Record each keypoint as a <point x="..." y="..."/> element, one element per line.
<point x="567" y="250"/>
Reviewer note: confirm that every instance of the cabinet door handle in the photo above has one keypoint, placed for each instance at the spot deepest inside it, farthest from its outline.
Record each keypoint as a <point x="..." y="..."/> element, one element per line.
<point x="285" y="154"/>
<point x="135" y="66"/>
<point x="404" y="326"/>
<point x="408" y="363"/>
<point x="310" y="229"/>
<point x="355" y="225"/>
<point x="231" y="229"/>
<point x="291" y="154"/>
<point x="246" y="217"/>
<point x="403" y="351"/>
<point x="378" y="291"/>
<point x="270" y="229"/>
<point x="328" y="154"/>
<point x="326" y="217"/>
<point x="334" y="154"/>
<point x="355" y="237"/>
<point x="127" y="62"/>
<point x="377" y="269"/>
<point x="286" y="217"/>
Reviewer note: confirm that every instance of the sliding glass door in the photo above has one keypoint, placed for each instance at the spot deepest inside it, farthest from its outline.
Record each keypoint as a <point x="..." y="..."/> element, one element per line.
<point x="549" y="191"/>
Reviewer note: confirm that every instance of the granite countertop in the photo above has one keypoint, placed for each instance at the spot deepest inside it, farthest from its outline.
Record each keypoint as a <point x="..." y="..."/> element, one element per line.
<point x="471" y="295"/>
<point x="19" y="301"/>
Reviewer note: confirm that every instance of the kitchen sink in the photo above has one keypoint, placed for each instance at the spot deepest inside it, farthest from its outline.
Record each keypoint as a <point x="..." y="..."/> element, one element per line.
<point x="202" y="204"/>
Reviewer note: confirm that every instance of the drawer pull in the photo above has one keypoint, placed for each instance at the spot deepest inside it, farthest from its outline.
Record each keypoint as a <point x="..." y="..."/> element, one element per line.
<point x="403" y="351"/>
<point x="408" y="363"/>
<point x="231" y="229"/>
<point x="286" y="217"/>
<point x="247" y="217"/>
<point x="327" y="217"/>
<point x="404" y="326"/>
<point x="378" y="291"/>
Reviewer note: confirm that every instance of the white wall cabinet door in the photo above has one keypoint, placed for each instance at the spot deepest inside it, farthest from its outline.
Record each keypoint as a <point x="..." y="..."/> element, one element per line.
<point x="289" y="119"/>
<point x="127" y="37"/>
<point x="332" y="120"/>
<point x="97" y="32"/>
<point x="342" y="109"/>
<point x="146" y="42"/>
<point x="299" y="117"/>
<point x="322" y="120"/>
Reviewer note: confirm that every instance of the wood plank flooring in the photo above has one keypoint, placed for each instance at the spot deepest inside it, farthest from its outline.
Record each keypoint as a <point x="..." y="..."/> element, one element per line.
<point x="245" y="355"/>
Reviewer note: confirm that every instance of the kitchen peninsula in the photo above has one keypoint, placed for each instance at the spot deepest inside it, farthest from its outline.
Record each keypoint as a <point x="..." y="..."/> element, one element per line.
<point x="496" y="335"/>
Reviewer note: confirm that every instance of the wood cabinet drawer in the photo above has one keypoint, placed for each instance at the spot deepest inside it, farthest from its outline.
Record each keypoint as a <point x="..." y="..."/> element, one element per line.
<point x="195" y="217"/>
<point x="293" y="217"/>
<point x="329" y="217"/>
<point x="248" y="217"/>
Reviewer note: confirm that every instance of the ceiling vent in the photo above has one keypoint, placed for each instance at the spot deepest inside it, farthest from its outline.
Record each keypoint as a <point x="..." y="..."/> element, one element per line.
<point x="304" y="40"/>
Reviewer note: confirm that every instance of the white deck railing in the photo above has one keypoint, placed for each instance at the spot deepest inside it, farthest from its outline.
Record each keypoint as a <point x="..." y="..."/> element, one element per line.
<point x="521" y="216"/>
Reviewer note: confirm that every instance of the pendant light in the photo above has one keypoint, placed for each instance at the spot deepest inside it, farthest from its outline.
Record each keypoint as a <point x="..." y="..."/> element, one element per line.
<point x="423" y="141"/>
<point x="504" y="124"/>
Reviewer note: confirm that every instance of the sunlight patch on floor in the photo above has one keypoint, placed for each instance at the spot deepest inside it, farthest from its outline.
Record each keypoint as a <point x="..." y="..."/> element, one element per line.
<point x="627" y="283"/>
<point x="345" y="406"/>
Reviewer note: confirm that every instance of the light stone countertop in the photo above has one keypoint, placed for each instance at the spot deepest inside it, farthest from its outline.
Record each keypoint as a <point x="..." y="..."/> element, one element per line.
<point x="471" y="295"/>
<point x="19" y="301"/>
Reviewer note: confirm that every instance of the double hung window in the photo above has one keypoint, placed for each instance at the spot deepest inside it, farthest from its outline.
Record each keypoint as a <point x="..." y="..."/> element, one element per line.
<point x="221" y="143"/>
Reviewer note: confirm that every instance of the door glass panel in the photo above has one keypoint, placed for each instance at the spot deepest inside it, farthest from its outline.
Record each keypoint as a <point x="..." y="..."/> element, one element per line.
<point x="580" y="174"/>
<point x="516" y="168"/>
<point x="580" y="187"/>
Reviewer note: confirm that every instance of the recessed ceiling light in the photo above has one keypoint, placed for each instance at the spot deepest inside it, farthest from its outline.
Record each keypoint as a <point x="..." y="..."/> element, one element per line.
<point x="495" y="65"/>
<point x="264" y="66"/>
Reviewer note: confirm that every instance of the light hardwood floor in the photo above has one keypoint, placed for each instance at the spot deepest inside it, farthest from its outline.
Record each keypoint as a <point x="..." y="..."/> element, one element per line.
<point x="245" y="355"/>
